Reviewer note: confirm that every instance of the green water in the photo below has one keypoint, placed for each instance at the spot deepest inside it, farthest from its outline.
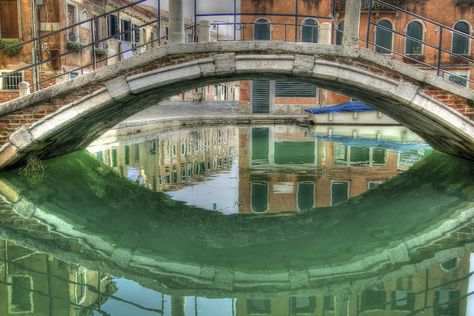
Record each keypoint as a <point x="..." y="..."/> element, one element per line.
<point x="262" y="220"/>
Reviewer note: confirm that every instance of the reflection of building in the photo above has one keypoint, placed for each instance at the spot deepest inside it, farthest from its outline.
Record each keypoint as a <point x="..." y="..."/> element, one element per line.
<point x="283" y="169"/>
<point x="35" y="283"/>
<point x="440" y="290"/>
<point x="173" y="160"/>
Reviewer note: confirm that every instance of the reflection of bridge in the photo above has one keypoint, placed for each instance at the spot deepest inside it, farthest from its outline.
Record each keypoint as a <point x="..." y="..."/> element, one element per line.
<point x="192" y="250"/>
<point x="68" y="116"/>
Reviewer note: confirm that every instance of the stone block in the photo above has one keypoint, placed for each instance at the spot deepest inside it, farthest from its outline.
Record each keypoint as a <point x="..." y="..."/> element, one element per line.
<point x="118" y="88"/>
<point x="225" y="64"/>
<point x="22" y="138"/>
<point x="303" y="65"/>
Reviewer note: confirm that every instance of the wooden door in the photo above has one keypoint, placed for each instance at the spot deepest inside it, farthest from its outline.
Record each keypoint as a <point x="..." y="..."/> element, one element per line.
<point x="9" y="19"/>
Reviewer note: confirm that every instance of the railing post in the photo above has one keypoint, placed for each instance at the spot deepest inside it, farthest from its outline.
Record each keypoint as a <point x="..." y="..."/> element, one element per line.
<point x="351" y="24"/>
<point x="369" y="22"/>
<point x="440" y="50"/>
<point x="24" y="88"/>
<point x="94" y="56"/>
<point x="176" y="21"/>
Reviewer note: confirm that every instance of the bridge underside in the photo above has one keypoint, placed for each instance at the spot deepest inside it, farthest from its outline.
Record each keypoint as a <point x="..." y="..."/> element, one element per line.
<point x="119" y="91"/>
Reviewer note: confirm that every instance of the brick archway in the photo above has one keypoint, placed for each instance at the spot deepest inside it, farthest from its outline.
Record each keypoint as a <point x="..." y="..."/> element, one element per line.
<point x="68" y="116"/>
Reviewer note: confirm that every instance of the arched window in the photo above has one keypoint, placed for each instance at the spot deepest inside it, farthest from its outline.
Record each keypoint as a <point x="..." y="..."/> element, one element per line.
<point x="461" y="42"/>
<point x="415" y="31"/>
<point x="261" y="30"/>
<point x="383" y="37"/>
<point x="259" y="197"/>
<point x="309" y="31"/>
<point x="340" y="33"/>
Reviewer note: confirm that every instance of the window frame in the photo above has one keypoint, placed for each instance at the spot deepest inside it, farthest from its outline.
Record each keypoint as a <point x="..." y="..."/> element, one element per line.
<point x="469" y="44"/>
<point x="316" y="26"/>
<point x="392" y="39"/>
<point x="6" y="71"/>
<point x="423" y="31"/>
<point x="269" y="22"/>
<point x="10" y="294"/>
<point x="77" y="18"/>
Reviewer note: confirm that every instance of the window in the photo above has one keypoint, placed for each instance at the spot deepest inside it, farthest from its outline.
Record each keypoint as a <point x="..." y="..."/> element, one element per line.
<point x="10" y="80"/>
<point x="260" y="145"/>
<point x="460" y="41"/>
<point x="447" y="303"/>
<point x="9" y="27"/>
<point x="414" y="34"/>
<point x="403" y="300"/>
<point x="20" y="294"/>
<point x="113" y="26"/>
<point x="459" y="79"/>
<point x="329" y="303"/>
<point x="305" y="200"/>
<point x="126" y="27"/>
<point x="303" y="305"/>
<point x="309" y="31"/>
<point x="450" y="264"/>
<point x="259" y="197"/>
<point x="258" y="306"/>
<point x="339" y="192"/>
<point x="383" y="37"/>
<point x="84" y="17"/>
<point x="340" y="33"/>
<point x="261" y="31"/>
<point x="292" y="89"/>
<point x="372" y="299"/>
<point x="71" y="20"/>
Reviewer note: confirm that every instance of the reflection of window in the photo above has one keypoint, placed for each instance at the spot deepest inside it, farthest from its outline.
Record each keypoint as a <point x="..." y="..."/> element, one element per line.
<point x="305" y="196"/>
<point x="450" y="264"/>
<point x="151" y="147"/>
<point x="113" y="154"/>
<point x="261" y="31"/>
<point x="339" y="191"/>
<point x="9" y="19"/>
<point x="403" y="300"/>
<point x="260" y="145"/>
<point x="383" y="37"/>
<point x="137" y="152"/>
<point x="127" y="154"/>
<point x="257" y="306"/>
<point x="309" y="31"/>
<point x="303" y="304"/>
<point x="20" y="294"/>
<point x="340" y="153"/>
<point x="458" y="79"/>
<point x="372" y="299"/>
<point x="374" y="184"/>
<point x="294" y="152"/>
<point x="378" y="156"/>
<point x="413" y="46"/>
<point x="329" y="303"/>
<point x="340" y="33"/>
<point x="447" y="303"/>
<point x="259" y="197"/>
<point x="359" y="155"/>
<point x="460" y="41"/>
<point x="80" y="288"/>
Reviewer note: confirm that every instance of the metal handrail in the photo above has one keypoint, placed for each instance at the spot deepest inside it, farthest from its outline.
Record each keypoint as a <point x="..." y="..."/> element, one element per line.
<point x="72" y="26"/>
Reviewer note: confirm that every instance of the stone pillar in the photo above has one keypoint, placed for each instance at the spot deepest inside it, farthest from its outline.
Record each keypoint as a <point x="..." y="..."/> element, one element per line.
<point x="352" y="23"/>
<point x="204" y="33"/>
<point x="176" y="14"/>
<point x="24" y="88"/>
<point x="325" y="33"/>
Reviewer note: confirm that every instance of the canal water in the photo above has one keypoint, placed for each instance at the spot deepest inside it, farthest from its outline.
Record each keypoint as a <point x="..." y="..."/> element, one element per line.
<point x="240" y="220"/>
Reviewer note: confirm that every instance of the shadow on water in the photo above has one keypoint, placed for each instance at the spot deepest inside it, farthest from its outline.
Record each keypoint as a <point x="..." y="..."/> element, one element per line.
<point x="83" y="212"/>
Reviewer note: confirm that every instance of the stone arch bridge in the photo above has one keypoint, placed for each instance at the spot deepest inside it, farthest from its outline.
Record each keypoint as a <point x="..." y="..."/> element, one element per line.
<point x="68" y="116"/>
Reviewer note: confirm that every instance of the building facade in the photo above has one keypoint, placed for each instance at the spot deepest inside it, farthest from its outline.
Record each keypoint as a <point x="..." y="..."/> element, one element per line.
<point x="322" y="21"/>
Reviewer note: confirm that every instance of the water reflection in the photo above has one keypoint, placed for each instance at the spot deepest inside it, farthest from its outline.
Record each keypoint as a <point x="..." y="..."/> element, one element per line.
<point x="263" y="169"/>
<point x="87" y="241"/>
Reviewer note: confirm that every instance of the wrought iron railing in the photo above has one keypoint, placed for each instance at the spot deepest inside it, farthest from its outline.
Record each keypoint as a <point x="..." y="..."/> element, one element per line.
<point x="434" y="56"/>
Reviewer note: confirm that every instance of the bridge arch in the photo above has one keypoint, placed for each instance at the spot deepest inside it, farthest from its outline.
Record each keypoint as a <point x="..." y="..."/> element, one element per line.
<point x="68" y="116"/>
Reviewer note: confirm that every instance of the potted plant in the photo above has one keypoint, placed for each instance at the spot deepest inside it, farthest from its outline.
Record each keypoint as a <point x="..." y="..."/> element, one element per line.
<point x="73" y="45"/>
<point x="11" y="46"/>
